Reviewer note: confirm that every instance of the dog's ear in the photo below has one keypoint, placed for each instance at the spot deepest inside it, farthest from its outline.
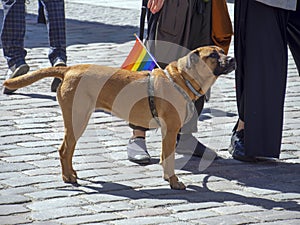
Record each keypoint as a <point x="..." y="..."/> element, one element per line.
<point x="192" y="59"/>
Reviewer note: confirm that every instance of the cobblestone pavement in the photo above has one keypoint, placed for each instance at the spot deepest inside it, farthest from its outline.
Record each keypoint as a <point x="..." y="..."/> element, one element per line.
<point x="111" y="189"/>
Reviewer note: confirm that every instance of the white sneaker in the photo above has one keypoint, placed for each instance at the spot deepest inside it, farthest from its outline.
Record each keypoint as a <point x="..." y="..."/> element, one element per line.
<point x="137" y="151"/>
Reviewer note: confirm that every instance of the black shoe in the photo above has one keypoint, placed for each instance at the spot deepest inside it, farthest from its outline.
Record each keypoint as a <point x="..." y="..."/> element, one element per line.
<point x="237" y="147"/>
<point x="57" y="81"/>
<point x="16" y="71"/>
<point x="187" y="144"/>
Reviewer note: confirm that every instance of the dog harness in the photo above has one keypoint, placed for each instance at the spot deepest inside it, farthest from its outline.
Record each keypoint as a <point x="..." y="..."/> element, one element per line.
<point x="190" y="104"/>
<point x="151" y="98"/>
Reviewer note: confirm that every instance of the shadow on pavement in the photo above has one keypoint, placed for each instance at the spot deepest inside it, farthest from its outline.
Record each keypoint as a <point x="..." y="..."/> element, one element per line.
<point x="40" y="96"/>
<point x="262" y="179"/>
<point x="201" y="194"/>
<point x="78" y="32"/>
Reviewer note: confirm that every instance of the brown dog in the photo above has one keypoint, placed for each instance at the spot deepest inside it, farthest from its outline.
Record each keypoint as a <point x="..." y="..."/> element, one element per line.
<point x="125" y="94"/>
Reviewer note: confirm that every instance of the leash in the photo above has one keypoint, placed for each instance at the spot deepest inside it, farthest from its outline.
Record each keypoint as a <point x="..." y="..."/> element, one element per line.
<point x="142" y="19"/>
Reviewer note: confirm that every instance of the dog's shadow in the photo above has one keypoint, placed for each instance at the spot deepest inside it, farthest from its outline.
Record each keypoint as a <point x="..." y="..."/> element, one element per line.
<point x="272" y="177"/>
<point x="39" y="96"/>
<point x="193" y="194"/>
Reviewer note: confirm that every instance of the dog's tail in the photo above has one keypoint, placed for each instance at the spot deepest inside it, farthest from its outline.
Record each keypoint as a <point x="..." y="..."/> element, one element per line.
<point x="29" y="78"/>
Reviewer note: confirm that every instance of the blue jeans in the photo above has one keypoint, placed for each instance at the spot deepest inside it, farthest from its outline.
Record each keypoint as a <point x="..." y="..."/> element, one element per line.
<point x="14" y="26"/>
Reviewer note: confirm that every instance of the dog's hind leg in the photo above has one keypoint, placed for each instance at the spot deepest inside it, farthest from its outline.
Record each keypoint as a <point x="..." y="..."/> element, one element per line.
<point x="75" y="122"/>
<point x="66" y="151"/>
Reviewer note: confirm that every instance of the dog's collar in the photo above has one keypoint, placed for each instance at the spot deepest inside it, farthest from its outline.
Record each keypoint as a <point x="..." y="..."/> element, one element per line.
<point x="192" y="89"/>
<point x="188" y="84"/>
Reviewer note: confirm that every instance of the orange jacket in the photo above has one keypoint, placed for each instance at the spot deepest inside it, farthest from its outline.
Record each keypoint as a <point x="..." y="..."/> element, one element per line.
<point x="221" y="25"/>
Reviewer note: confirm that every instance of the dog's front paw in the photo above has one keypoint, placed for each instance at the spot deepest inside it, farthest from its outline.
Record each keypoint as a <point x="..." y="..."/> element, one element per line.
<point x="70" y="178"/>
<point x="175" y="184"/>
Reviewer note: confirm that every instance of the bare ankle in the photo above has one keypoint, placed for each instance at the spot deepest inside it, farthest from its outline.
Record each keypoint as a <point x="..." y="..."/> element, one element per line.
<point x="139" y="133"/>
<point x="241" y="125"/>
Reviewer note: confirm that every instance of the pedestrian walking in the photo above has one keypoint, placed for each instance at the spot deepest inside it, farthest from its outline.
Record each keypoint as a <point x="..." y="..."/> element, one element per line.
<point x="13" y="33"/>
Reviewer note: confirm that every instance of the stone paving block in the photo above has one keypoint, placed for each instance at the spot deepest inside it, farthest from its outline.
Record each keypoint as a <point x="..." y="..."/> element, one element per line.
<point x="195" y="214"/>
<point x="238" y="209"/>
<point x="145" y="220"/>
<point x="45" y="223"/>
<point x="53" y="193"/>
<point x="57" y="213"/>
<point x="31" y="151"/>
<point x="8" y="175"/>
<point x="15" y="219"/>
<point x="145" y="212"/>
<point x="27" y="180"/>
<point x="228" y="219"/>
<point x="289" y="222"/>
<point x="46" y="163"/>
<point x="194" y="206"/>
<point x="14" y="167"/>
<point x="99" y="198"/>
<point x="6" y="210"/>
<point x="20" y="140"/>
<point x="63" y="202"/>
<point x="43" y="171"/>
<point x="118" y="206"/>
<point x="183" y="223"/>
<point x="274" y="215"/>
<point x="90" y="219"/>
<point x="157" y="202"/>
<point x="59" y="184"/>
<point x="39" y="143"/>
<point x="18" y="190"/>
<point x="13" y="199"/>
<point x="85" y="174"/>
<point x="23" y="158"/>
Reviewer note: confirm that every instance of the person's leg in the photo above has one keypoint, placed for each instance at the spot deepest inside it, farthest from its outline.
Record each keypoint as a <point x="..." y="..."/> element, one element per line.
<point x="199" y="30"/>
<point x="294" y="35"/>
<point x="41" y="15"/>
<point x="56" y="25"/>
<point x="262" y="116"/>
<point x="13" y="32"/>
<point x="136" y="147"/>
<point x="12" y="37"/>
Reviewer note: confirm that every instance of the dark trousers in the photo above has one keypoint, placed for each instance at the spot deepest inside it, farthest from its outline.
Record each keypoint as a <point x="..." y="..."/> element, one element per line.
<point x="294" y="35"/>
<point x="14" y="26"/>
<point x="261" y="55"/>
<point x="180" y="26"/>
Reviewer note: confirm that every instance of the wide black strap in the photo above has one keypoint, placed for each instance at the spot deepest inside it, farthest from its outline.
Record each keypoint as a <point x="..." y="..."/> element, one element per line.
<point x="142" y="19"/>
<point x="151" y="98"/>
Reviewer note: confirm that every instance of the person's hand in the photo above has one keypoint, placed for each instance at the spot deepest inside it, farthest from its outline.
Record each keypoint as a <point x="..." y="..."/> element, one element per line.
<point x="155" y="5"/>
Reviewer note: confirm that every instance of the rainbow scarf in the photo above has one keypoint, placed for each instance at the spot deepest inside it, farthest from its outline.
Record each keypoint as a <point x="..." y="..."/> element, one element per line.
<point x="139" y="58"/>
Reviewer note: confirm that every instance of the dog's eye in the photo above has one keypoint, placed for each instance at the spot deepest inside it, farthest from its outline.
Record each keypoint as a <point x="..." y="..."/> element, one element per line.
<point x="214" y="55"/>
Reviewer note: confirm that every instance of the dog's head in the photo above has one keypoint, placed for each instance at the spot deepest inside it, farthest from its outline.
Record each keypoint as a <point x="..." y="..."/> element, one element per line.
<point x="215" y="59"/>
<point x="203" y="65"/>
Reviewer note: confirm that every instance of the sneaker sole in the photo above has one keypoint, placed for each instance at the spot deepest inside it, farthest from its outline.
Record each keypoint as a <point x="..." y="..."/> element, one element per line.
<point x="141" y="161"/>
<point x="18" y="72"/>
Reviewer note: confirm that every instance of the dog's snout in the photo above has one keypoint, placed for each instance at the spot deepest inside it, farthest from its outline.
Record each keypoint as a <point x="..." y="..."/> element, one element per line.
<point x="230" y="60"/>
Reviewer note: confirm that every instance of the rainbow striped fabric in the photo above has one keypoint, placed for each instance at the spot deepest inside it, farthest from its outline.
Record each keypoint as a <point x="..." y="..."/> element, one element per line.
<point x="139" y="58"/>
